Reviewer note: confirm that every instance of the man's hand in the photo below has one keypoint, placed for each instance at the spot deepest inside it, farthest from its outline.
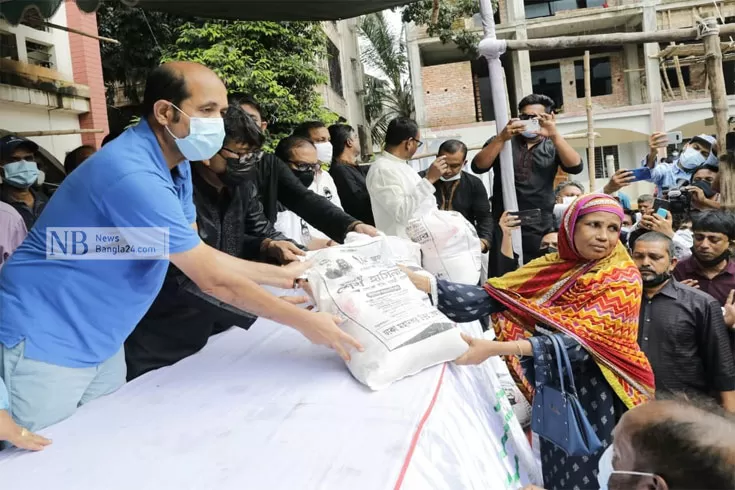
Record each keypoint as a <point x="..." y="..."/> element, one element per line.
<point x="691" y="283"/>
<point x="621" y="178"/>
<point x="322" y="329"/>
<point x="547" y="123"/>
<point x="729" y="309"/>
<point x="18" y="436"/>
<point x="437" y="169"/>
<point x="478" y="351"/>
<point x="655" y="142"/>
<point x="292" y="272"/>
<point x="366" y="230"/>
<point x="513" y="128"/>
<point x="654" y="222"/>
<point x="283" y="251"/>
<point x="422" y="283"/>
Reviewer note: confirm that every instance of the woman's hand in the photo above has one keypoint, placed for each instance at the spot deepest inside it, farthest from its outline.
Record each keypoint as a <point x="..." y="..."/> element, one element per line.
<point x="478" y="352"/>
<point x="18" y="436"/>
<point x="422" y="283"/>
<point x="509" y="222"/>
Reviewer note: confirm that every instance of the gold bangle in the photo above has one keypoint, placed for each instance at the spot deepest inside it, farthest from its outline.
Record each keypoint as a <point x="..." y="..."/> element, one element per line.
<point x="520" y="351"/>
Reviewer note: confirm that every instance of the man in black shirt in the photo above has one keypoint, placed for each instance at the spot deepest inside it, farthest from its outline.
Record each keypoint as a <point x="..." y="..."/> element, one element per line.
<point x="229" y="218"/>
<point x="681" y="329"/>
<point x="537" y="156"/>
<point x="348" y="175"/>
<point x="277" y="183"/>
<point x="459" y="191"/>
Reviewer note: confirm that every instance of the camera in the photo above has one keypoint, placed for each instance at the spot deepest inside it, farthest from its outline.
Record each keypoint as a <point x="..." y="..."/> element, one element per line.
<point x="680" y="201"/>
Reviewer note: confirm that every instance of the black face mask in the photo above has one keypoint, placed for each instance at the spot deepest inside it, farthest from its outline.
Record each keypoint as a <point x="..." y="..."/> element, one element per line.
<point x="548" y="250"/>
<point x="236" y="172"/>
<point x="306" y="177"/>
<point x="656" y="280"/>
<point x="712" y="262"/>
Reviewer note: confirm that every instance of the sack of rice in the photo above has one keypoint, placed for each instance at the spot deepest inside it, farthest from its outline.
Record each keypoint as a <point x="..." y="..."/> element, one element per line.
<point x="401" y="332"/>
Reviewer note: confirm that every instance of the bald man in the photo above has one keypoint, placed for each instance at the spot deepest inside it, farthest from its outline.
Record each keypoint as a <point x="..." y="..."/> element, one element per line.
<point x="97" y="257"/>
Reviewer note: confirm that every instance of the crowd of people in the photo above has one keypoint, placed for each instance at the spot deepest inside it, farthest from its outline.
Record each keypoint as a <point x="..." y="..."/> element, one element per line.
<point x="642" y="300"/>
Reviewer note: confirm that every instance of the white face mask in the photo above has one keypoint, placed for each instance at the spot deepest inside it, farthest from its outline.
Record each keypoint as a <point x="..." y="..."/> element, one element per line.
<point x="451" y="179"/>
<point x="205" y="138"/>
<point x="605" y="469"/>
<point x="324" y="151"/>
<point x="568" y="200"/>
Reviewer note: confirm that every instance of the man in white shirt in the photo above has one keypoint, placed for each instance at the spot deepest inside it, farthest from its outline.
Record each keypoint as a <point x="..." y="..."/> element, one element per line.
<point x="396" y="190"/>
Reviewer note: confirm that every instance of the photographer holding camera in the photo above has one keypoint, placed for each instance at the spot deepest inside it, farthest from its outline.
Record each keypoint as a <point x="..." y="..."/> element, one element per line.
<point x="701" y="150"/>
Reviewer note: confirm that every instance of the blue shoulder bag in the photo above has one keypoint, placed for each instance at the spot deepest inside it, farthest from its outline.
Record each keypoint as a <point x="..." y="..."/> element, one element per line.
<point x="557" y="414"/>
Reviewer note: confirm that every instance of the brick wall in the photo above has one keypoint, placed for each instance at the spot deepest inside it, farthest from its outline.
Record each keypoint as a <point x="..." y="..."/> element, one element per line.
<point x="87" y="68"/>
<point x="448" y="94"/>
<point x="618" y="98"/>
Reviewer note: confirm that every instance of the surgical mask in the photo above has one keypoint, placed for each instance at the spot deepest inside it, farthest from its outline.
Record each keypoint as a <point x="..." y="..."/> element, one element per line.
<point x="451" y="179"/>
<point x="206" y="135"/>
<point x="529" y="135"/>
<point x="656" y="280"/>
<point x="324" y="151"/>
<point x="605" y="469"/>
<point x="306" y="177"/>
<point x="691" y="159"/>
<point x="548" y="250"/>
<point x="625" y="230"/>
<point x="568" y="200"/>
<point x="22" y="174"/>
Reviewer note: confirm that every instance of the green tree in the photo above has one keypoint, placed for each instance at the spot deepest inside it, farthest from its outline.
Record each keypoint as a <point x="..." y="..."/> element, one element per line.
<point x="278" y="63"/>
<point x="126" y="65"/>
<point x="389" y="94"/>
<point x="449" y="26"/>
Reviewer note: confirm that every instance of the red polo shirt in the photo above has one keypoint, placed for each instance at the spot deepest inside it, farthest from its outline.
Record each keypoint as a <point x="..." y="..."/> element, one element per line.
<point x="718" y="287"/>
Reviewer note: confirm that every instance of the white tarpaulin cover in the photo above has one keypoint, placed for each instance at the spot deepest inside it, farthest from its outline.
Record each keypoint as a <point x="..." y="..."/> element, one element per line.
<point x="266" y="410"/>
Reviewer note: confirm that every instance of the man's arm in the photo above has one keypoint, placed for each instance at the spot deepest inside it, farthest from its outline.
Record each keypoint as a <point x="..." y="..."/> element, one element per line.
<point x="716" y="353"/>
<point x="488" y="156"/>
<point x="483" y="215"/>
<point x="231" y="280"/>
<point x="386" y="189"/>
<point x="655" y="143"/>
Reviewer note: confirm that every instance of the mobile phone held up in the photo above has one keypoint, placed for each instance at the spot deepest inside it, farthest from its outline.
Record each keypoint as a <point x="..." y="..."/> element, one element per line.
<point x="528" y="217"/>
<point x="532" y="125"/>
<point x="675" y="138"/>
<point x="661" y="212"/>
<point x="661" y="204"/>
<point x="641" y="173"/>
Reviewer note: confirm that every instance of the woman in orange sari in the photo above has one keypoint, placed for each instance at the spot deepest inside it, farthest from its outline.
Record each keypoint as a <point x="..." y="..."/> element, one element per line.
<point x="589" y="295"/>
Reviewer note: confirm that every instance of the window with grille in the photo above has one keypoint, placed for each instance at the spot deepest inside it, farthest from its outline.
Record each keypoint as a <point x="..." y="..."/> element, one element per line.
<point x="8" y="46"/>
<point x="600" y="77"/>
<point x="40" y="54"/>
<point x="601" y="153"/>
<point x="335" y="68"/>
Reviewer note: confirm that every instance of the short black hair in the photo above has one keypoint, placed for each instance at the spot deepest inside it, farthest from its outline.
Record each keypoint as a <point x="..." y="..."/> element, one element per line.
<point x="74" y="158"/>
<point x="632" y="214"/>
<point x="399" y="130"/>
<point x="657" y="237"/>
<point x="451" y="147"/>
<point x="303" y="130"/>
<point x="678" y="452"/>
<point x="716" y="221"/>
<point x="286" y="146"/>
<point x="164" y="83"/>
<point x="706" y="166"/>
<point x="340" y="134"/>
<point x="240" y="99"/>
<point x="240" y="128"/>
<point x="537" y="99"/>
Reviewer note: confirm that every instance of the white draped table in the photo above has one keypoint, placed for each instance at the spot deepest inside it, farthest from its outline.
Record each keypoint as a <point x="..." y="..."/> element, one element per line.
<point x="266" y="410"/>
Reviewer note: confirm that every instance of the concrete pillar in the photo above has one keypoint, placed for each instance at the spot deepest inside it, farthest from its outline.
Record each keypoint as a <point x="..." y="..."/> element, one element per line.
<point x="417" y="83"/>
<point x="521" y="60"/>
<point x="653" y="73"/>
<point x="516" y="10"/>
<point x="632" y="78"/>
<point x="87" y="68"/>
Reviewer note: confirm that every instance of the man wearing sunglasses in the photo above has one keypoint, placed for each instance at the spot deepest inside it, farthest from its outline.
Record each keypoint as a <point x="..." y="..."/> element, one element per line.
<point x="230" y="218"/>
<point x="539" y="151"/>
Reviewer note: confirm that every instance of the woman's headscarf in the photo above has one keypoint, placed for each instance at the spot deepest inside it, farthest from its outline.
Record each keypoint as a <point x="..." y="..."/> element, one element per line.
<point x="595" y="302"/>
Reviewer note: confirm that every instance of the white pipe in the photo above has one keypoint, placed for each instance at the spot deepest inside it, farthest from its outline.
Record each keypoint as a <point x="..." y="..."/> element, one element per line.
<point x="491" y="48"/>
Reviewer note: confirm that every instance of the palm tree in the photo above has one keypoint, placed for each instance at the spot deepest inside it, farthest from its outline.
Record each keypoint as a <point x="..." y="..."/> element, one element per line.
<point x="388" y="95"/>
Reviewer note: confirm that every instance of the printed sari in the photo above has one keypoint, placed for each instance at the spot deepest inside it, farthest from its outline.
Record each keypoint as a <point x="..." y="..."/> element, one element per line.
<point x="595" y="302"/>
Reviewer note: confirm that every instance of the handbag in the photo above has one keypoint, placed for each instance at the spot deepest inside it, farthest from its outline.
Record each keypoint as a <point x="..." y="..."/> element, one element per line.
<point x="557" y="414"/>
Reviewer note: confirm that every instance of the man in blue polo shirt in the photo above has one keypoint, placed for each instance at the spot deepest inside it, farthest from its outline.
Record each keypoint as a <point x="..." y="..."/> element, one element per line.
<point x="63" y="322"/>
